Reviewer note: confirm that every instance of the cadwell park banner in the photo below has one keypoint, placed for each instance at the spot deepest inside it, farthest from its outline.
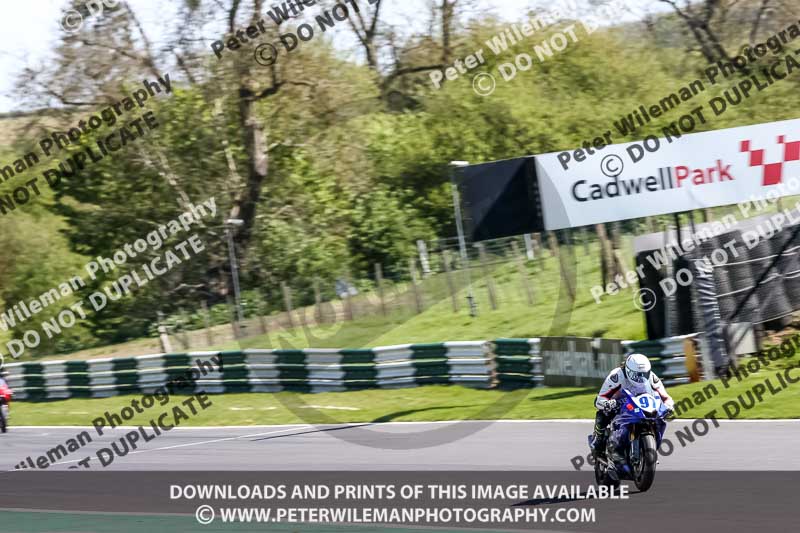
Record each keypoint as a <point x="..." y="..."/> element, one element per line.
<point x="604" y="183"/>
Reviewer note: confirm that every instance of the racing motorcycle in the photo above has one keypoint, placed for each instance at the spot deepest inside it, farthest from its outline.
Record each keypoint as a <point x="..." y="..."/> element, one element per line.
<point x="645" y="417"/>
<point x="5" y="400"/>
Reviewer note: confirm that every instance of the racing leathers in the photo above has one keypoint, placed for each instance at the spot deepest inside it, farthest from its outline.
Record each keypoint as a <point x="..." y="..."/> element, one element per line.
<point x="5" y="396"/>
<point x="606" y="403"/>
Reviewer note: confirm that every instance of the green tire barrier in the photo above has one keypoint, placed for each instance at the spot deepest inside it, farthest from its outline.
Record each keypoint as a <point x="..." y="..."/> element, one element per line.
<point x="518" y="363"/>
<point x="310" y="370"/>
<point x="666" y="356"/>
<point x="503" y="363"/>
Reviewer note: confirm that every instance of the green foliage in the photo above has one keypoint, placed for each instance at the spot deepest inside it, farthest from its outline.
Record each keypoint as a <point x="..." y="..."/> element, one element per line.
<point x="384" y="231"/>
<point x="350" y="182"/>
<point x="253" y="304"/>
<point x="35" y="258"/>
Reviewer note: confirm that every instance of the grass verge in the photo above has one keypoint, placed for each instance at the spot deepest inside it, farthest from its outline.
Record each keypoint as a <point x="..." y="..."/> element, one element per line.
<point x="617" y="317"/>
<point x="428" y="403"/>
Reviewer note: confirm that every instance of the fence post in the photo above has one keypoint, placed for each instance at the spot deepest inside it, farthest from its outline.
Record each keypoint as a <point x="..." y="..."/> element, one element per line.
<point x="379" y="284"/>
<point x="287" y="300"/>
<point x="585" y="239"/>
<point x="412" y="267"/>
<point x="235" y="326"/>
<point x="423" y="258"/>
<point x="539" y="246"/>
<point x="553" y="242"/>
<point x="262" y="322"/>
<point x="166" y="347"/>
<point x="348" y="299"/>
<point x="486" y="275"/>
<point x="563" y="268"/>
<point x="607" y="262"/>
<point x="207" y="323"/>
<point x="354" y="307"/>
<point x="450" y="284"/>
<point x="616" y="239"/>
<point x="317" y="302"/>
<point x="183" y="334"/>
<point x="537" y="241"/>
<point x="530" y="254"/>
<point x="615" y="234"/>
<point x="523" y="273"/>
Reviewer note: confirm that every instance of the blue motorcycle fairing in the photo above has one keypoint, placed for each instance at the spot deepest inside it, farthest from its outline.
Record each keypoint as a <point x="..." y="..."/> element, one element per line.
<point x="631" y="414"/>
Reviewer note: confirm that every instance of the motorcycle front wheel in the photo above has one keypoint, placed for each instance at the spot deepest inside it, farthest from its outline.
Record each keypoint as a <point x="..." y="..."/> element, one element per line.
<point x="3" y="423"/>
<point x="601" y="476"/>
<point x="645" y="471"/>
<point x="599" y="473"/>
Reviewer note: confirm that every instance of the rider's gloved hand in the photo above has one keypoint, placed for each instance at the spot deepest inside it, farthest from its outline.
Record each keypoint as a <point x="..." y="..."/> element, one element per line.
<point x="610" y="407"/>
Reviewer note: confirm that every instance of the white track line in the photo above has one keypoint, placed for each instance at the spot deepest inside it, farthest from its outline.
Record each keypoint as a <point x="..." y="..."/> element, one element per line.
<point x="200" y="442"/>
<point x="177" y="428"/>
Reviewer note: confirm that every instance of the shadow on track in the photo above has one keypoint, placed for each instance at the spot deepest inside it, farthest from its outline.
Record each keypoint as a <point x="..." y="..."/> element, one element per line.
<point x="398" y="414"/>
<point x="566" y="394"/>
<point x="382" y="419"/>
<point x="322" y="430"/>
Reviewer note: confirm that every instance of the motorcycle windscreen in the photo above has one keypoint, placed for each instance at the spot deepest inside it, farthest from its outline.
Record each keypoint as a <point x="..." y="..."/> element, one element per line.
<point x="641" y="388"/>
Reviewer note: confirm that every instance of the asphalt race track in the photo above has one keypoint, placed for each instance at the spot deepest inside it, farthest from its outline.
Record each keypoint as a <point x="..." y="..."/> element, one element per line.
<point x="741" y="476"/>
<point x="505" y="445"/>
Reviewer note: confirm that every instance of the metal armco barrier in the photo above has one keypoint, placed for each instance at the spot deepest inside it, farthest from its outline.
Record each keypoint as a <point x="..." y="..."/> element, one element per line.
<point x="504" y="363"/>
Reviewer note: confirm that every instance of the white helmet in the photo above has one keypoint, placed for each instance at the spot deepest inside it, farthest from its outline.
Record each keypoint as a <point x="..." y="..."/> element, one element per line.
<point x="637" y="368"/>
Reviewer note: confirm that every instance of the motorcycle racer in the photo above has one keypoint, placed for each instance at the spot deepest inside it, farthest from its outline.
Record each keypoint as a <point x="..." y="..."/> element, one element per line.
<point x="5" y="400"/>
<point x="5" y="390"/>
<point x="633" y="374"/>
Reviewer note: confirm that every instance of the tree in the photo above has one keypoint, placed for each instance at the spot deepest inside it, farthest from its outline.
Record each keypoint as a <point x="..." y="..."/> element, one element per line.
<point x="713" y="22"/>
